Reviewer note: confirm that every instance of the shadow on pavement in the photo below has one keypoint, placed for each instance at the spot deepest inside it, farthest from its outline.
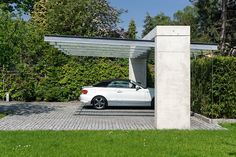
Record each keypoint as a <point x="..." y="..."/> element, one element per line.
<point x="121" y="107"/>
<point x="116" y="111"/>
<point x="25" y="109"/>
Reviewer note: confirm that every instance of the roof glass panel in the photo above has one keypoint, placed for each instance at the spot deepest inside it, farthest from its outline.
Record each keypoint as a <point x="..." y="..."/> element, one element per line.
<point x="104" y="47"/>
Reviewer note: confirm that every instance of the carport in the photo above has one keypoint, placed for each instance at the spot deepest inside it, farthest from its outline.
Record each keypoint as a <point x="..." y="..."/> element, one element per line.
<point x="172" y="66"/>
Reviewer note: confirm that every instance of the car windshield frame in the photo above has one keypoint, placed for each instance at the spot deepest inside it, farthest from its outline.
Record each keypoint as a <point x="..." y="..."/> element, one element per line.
<point x="121" y="84"/>
<point x="110" y="81"/>
<point x="137" y="84"/>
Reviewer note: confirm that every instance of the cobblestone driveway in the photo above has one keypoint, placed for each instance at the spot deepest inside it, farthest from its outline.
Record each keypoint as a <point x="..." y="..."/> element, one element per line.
<point x="71" y="116"/>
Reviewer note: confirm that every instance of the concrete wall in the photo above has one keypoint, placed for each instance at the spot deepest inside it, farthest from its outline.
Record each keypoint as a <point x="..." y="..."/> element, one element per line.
<point x="138" y="70"/>
<point x="172" y="77"/>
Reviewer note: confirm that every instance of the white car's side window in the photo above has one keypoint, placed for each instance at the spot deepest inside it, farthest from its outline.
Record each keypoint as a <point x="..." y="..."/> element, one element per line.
<point x="121" y="84"/>
<point x="112" y="84"/>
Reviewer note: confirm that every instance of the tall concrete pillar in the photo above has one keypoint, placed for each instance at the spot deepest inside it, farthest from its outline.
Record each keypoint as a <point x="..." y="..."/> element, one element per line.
<point x="172" y="77"/>
<point x="138" y="70"/>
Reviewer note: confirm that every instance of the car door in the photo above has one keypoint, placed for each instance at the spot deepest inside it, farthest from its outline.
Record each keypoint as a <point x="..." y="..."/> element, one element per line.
<point x="114" y="91"/>
<point x="124" y="93"/>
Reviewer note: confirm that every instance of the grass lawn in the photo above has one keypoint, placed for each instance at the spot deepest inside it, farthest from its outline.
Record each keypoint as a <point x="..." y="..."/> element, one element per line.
<point x="119" y="143"/>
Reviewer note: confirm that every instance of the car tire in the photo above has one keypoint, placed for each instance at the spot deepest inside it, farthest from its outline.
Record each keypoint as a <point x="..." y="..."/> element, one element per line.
<point x="99" y="102"/>
<point x="153" y="103"/>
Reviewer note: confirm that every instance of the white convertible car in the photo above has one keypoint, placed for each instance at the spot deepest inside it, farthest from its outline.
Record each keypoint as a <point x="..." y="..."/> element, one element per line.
<point x="117" y="92"/>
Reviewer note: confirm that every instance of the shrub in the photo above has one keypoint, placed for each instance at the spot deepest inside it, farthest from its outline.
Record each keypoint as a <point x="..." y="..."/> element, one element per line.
<point x="61" y="82"/>
<point x="213" y="84"/>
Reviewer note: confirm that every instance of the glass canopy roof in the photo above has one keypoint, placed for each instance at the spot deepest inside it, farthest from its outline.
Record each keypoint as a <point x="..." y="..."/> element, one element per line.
<point x="109" y="47"/>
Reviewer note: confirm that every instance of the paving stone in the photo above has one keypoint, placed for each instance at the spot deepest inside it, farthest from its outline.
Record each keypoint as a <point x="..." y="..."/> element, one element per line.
<point x="72" y="116"/>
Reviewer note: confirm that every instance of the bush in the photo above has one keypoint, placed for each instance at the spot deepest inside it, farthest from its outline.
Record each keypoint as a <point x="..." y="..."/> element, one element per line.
<point x="213" y="84"/>
<point x="61" y="82"/>
<point x="20" y="86"/>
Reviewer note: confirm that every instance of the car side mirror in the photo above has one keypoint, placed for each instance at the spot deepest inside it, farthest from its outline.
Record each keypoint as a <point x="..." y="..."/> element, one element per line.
<point x="138" y="88"/>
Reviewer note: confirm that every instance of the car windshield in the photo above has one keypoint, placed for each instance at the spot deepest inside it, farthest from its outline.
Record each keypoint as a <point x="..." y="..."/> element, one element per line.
<point x="118" y="84"/>
<point x="102" y="84"/>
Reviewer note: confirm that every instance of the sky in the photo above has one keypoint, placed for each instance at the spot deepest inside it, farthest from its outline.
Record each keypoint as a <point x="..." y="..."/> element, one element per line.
<point x="137" y="10"/>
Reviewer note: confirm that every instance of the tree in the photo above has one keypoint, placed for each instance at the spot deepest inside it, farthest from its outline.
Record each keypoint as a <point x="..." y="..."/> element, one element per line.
<point x="152" y="22"/>
<point x="162" y="19"/>
<point x="77" y="17"/>
<point x="39" y="14"/>
<point x="223" y="26"/>
<point x="217" y="23"/>
<point x="21" y="42"/>
<point x="10" y="33"/>
<point x="34" y="70"/>
<point x="188" y="16"/>
<point x="228" y="31"/>
<point x="148" y="25"/>
<point x="132" y="30"/>
<point x="17" y="5"/>
<point x="208" y="19"/>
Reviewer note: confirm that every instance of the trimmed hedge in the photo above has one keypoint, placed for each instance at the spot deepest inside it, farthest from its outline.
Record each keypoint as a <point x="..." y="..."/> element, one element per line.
<point x="213" y="84"/>
<point x="61" y="82"/>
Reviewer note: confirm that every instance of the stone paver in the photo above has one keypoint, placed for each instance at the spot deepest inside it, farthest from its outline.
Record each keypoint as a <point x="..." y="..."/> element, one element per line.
<point x="71" y="116"/>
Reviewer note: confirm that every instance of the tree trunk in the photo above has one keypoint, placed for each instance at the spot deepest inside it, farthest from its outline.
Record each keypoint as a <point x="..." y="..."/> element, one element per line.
<point x="223" y="27"/>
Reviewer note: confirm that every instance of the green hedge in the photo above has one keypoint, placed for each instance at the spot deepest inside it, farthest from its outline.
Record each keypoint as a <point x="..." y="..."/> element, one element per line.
<point x="61" y="82"/>
<point x="213" y="84"/>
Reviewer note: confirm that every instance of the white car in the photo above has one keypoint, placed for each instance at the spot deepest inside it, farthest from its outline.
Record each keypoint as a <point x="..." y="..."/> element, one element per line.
<point x="117" y="92"/>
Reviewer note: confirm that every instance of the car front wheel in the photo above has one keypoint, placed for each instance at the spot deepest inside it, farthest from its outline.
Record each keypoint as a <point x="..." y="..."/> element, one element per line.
<point x="99" y="102"/>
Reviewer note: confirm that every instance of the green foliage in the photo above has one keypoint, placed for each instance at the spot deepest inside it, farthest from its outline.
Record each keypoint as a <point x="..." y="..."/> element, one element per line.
<point x="148" y="24"/>
<point x="33" y="70"/>
<point x="62" y="82"/>
<point x="188" y="16"/>
<point x="132" y="30"/>
<point x="77" y="17"/>
<point x="39" y="14"/>
<point x="17" y="5"/>
<point x="210" y="20"/>
<point x="214" y="87"/>
<point x="150" y="75"/>
<point x="152" y="22"/>
<point x="209" y="15"/>
<point x="205" y="20"/>
<point x="20" y="42"/>
<point x="231" y="23"/>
